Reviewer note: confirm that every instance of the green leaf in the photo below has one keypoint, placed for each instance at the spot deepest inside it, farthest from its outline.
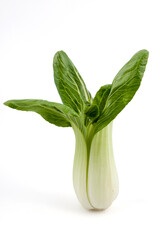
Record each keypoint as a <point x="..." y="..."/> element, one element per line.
<point x="69" y="83"/>
<point x="124" y="87"/>
<point x="55" y="113"/>
<point x="101" y="97"/>
<point x="92" y="111"/>
<point x="90" y="114"/>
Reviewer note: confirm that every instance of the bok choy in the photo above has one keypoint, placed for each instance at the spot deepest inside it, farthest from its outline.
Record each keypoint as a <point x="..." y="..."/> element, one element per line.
<point x="95" y="177"/>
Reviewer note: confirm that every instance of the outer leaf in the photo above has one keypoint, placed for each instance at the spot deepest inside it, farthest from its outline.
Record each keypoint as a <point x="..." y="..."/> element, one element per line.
<point x="69" y="83"/>
<point x="54" y="113"/>
<point x="124" y="87"/>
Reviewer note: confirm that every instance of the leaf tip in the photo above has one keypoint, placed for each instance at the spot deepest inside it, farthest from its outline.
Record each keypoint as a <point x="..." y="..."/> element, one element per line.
<point x="9" y="103"/>
<point x="57" y="57"/>
<point x="144" y="53"/>
<point x="6" y="103"/>
<point x="59" y="53"/>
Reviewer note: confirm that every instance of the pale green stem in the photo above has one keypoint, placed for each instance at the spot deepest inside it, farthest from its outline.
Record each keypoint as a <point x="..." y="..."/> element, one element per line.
<point x="80" y="169"/>
<point x="102" y="174"/>
<point x="94" y="173"/>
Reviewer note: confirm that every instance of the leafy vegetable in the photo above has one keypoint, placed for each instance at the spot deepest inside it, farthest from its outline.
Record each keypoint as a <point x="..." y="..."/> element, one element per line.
<point x="94" y="172"/>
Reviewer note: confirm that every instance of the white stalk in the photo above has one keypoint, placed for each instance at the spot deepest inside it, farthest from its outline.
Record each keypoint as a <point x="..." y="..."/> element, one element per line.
<point x="94" y="172"/>
<point x="102" y="174"/>
<point x="80" y="169"/>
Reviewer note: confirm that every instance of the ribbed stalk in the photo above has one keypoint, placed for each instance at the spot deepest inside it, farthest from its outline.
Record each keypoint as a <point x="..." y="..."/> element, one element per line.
<point x="80" y="169"/>
<point x="102" y="173"/>
<point x="94" y="172"/>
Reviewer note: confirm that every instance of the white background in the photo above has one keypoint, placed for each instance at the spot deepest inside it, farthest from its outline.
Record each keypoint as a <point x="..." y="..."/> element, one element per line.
<point x="37" y="200"/>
